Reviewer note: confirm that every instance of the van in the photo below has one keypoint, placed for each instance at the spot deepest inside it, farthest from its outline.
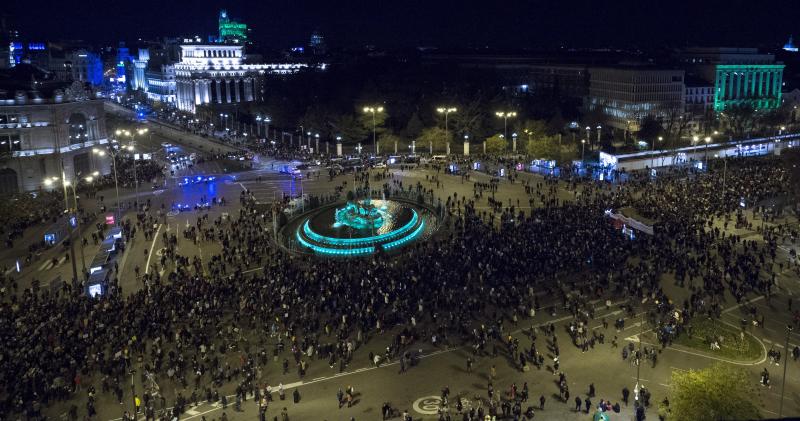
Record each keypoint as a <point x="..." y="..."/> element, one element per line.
<point x="438" y="158"/>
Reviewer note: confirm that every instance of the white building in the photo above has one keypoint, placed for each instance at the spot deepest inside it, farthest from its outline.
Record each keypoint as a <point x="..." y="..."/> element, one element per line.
<point x="161" y="84"/>
<point x="44" y="127"/>
<point x="139" y="69"/>
<point x="628" y="94"/>
<point x="217" y="74"/>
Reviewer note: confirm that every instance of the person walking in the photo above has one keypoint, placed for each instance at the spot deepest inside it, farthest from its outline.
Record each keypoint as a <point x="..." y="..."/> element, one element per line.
<point x="469" y="365"/>
<point x="541" y="402"/>
<point x="578" y="403"/>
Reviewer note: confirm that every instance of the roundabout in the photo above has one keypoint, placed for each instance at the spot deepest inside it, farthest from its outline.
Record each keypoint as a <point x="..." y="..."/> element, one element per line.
<point x="361" y="227"/>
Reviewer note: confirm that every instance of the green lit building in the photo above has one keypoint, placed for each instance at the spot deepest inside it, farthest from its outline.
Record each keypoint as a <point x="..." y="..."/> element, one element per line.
<point x="758" y="85"/>
<point x="739" y="75"/>
<point x="231" y="30"/>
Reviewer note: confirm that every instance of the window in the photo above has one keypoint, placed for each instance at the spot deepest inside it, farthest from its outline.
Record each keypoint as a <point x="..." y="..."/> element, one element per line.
<point x="10" y="142"/>
<point x="78" y="129"/>
<point x="9" y="118"/>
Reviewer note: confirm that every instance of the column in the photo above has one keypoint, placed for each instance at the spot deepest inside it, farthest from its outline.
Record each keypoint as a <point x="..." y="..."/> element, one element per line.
<point x="248" y="90"/>
<point x="730" y="85"/>
<point x="206" y="91"/>
<point x="767" y="81"/>
<point x="236" y="89"/>
<point x="197" y="97"/>
<point x="753" y="84"/>
<point x="759" y="82"/>
<point x="219" y="91"/>
<point x="228" y="91"/>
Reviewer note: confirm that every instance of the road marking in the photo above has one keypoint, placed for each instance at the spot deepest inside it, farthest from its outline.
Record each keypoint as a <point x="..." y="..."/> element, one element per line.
<point x="152" y="246"/>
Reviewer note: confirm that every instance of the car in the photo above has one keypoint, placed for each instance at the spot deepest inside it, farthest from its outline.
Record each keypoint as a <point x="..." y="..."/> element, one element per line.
<point x="380" y="165"/>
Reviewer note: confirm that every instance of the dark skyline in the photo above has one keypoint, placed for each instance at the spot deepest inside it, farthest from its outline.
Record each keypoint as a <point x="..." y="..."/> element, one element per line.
<point x="509" y="24"/>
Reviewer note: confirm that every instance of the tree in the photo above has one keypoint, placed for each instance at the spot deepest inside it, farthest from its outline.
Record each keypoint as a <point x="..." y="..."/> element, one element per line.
<point x="740" y="119"/>
<point x="351" y="130"/>
<point x="414" y="126"/>
<point x="434" y="136"/>
<point x="649" y="129"/>
<point x="534" y="129"/>
<point x="721" y="391"/>
<point x="388" y="141"/>
<point x="496" y="145"/>
<point x="543" y="148"/>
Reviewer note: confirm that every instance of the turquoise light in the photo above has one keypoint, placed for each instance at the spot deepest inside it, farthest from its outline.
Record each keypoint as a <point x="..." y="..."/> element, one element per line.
<point x="365" y="240"/>
<point x="406" y="239"/>
<point x="340" y="252"/>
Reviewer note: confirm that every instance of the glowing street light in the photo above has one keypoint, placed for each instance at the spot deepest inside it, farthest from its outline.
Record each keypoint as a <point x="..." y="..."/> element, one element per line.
<point x="505" y="115"/>
<point x="373" y="111"/>
<point x="446" y="111"/>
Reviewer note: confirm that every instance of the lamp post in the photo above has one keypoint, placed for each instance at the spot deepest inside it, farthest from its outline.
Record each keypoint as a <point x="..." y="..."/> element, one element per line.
<point x="514" y="142"/>
<point x="583" y="149"/>
<point x="708" y="140"/>
<point x="308" y="140"/>
<point x="70" y="230"/>
<point x="599" y="131"/>
<point x="116" y="182"/>
<point x="588" y="135"/>
<point x="130" y="148"/>
<point x="316" y="145"/>
<point x="373" y="111"/>
<point x="785" y="363"/>
<point x="446" y="111"/>
<point x="505" y="115"/>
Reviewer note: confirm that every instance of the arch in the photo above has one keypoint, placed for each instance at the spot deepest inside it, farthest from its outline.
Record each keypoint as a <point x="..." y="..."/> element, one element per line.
<point x="78" y="128"/>
<point x="9" y="183"/>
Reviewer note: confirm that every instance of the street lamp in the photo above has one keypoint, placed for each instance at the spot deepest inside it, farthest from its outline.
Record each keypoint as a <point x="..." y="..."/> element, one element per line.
<point x="599" y="131"/>
<point x="446" y="111"/>
<point x="505" y="115"/>
<point x="64" y="183"/>
<point x="708" y="140"/>
<point x="373" y="111"/>
<point x="102" y="153"/>
<point x="130" y="148"/>
<point x="583" y="149"/>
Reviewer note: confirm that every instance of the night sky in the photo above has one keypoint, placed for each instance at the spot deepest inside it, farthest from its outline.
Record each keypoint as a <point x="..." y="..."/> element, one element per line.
<point x="491" y="23"/>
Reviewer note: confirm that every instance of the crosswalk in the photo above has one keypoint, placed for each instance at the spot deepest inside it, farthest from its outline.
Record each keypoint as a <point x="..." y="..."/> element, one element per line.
<point x="48" y="264"/>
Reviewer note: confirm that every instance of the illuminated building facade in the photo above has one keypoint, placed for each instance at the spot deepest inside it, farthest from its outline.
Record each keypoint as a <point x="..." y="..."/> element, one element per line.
<point x="217" y="74"/>
<point x="628" y="94"/>
<point x="139" y="81"/>
<point x="740" y="76"/>
<point x="231" y="30"/>
<point x="43" y="125"/>
<point x="758" y="85"/>
<point x="161" y="84"/>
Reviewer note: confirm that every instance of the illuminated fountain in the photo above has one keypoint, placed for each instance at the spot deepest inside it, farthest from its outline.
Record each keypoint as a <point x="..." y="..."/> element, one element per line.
<point x="363" y="227"/>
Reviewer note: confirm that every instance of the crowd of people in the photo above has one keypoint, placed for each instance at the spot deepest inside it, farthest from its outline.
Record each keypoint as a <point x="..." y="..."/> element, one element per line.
<point x="205" y="328"/>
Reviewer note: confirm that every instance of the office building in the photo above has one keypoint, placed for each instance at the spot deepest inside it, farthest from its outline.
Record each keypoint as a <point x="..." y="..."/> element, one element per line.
<point x="627" y="94"/>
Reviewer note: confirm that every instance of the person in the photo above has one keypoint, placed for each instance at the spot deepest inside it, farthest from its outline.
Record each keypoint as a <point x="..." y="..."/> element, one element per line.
<point x="340" y="397"/>
<point x="469" y="365"/>
<point x="625" y="394"/>
<point x="296" y="396"/>
<point x="578" y="403"/>
<point x="284" y="414"/>
<point x="588" y="404"/>
<point x="281" y="392"/>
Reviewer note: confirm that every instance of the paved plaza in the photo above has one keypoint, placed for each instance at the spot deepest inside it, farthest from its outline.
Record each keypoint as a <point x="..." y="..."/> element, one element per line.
<point x="416" y="388"/>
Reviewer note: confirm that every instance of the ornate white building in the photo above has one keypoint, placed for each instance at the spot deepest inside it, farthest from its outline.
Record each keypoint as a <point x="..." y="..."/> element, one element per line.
<point x="217" y="74"/>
